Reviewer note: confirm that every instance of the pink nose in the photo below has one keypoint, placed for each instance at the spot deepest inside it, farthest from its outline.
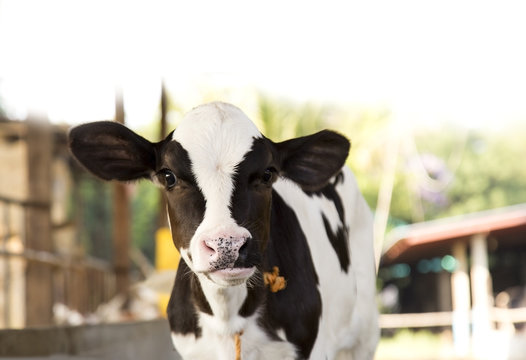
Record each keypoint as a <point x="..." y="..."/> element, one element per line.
<point x="223" y="252"/>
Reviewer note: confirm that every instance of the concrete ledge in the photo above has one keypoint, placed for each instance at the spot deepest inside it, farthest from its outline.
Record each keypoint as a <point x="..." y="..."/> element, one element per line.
<point x="123" y="341"/>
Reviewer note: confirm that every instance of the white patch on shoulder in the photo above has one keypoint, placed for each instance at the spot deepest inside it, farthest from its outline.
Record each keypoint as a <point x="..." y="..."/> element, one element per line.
<point x="349" y="314"/>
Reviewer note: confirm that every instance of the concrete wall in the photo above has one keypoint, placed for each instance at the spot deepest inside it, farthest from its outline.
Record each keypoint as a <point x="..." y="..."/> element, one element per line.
<point x="124" y="341"/>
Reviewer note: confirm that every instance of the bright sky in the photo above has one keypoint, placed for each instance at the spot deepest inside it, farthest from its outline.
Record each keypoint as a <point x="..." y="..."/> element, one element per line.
<point x="430" y="60"/>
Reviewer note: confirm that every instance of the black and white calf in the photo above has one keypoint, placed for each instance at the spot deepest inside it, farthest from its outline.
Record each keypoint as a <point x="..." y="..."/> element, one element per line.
<point x="240" y="204"/>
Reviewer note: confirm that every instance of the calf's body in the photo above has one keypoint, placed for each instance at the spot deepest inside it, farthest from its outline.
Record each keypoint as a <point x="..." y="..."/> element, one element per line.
<point x="240" y="205"/>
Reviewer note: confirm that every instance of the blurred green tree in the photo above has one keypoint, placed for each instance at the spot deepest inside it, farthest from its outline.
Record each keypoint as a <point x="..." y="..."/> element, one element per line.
<point x="492" y="173"/>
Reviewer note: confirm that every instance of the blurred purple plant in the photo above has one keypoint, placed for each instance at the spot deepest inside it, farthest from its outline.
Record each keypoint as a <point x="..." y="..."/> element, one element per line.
<point x="433" y="176"/>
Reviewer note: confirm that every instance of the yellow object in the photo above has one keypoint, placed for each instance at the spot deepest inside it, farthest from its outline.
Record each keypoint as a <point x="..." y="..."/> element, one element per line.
<point x="237" y="342"/>
<point x="162" y="303"/>
<point x="166" y="258"/>
<point x="166" y="255"/>
<point x="274" y="281"/>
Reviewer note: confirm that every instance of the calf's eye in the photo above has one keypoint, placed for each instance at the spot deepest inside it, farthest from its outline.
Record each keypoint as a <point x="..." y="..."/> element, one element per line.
<point x="268" y="175"/>
<point x="168" y="177"/>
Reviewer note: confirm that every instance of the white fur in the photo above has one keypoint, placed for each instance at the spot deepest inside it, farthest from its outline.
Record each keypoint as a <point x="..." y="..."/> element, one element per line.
<point x="216" y="136"/>
<point x="213" y="345"/>
<point x="225" y="303"/>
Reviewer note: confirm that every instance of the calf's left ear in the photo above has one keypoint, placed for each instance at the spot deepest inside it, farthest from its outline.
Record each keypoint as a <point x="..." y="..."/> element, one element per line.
<point x="311" y="161"/>
<point x="112" y="151"/>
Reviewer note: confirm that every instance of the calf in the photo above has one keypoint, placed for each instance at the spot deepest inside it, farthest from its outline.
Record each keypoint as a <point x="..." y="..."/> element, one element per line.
<point x="240" y="205"/>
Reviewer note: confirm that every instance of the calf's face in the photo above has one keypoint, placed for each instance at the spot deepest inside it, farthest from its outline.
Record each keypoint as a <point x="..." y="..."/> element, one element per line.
<point x="217" y="172"/>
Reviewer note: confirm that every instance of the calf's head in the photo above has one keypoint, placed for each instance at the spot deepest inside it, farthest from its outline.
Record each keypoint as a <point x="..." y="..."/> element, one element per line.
<point x="217" y="171"/>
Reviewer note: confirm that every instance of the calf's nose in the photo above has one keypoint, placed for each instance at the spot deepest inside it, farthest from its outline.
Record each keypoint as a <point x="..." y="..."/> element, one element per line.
<point x="223" y="252"/>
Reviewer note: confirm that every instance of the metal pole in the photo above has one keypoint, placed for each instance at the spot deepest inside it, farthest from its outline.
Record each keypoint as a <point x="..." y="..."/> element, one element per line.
<point x="163" y="133"/>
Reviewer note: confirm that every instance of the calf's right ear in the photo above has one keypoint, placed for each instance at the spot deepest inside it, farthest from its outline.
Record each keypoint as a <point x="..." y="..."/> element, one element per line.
<point x="112" y="151"/>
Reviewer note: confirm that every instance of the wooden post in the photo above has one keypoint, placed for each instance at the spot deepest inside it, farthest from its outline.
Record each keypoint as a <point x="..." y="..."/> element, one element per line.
<point x="460" y="301"/>
<point x="162" y="134"/>
<point x="164" y="112"/>
<point x="385" y="193"/>
<point x="481" y="290"/>
<point x="121" y="219"/>
<point x="39" y="296"/>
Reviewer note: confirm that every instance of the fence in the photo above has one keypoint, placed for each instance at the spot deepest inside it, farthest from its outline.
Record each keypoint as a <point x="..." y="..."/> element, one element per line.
<point x="499" y="316"/>
<point x="40" y="261"/>
<point x="79" y="282"/>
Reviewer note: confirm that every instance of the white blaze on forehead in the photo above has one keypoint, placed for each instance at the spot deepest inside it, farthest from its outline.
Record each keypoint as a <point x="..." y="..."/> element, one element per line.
<point x="216" y="136"/>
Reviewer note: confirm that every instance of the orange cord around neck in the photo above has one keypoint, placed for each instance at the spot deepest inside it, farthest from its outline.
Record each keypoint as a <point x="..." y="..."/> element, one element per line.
<point x="275" y="284"/>
<point x="237" y="341"/>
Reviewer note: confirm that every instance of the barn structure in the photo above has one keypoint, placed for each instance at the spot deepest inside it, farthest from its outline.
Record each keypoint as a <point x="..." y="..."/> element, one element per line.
<point x="467" y="273"/>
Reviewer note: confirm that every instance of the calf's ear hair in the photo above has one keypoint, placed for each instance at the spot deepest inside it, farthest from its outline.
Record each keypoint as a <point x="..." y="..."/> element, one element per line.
<point x="112" y="151"/>
<point x="311" y="161"/>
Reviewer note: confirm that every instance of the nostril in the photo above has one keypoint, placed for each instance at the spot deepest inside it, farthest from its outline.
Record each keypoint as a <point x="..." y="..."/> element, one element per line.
<point x="209" y="247"/>
<point x="244" y="247"/>
<point x="243" y="251"/>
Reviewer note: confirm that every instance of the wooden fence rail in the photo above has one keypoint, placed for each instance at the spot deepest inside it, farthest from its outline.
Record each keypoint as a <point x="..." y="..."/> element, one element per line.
<point x="437" y="319"/>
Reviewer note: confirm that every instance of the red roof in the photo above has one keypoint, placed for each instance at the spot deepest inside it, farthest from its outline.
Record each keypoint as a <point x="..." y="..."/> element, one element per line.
<point x="409" y="243"/>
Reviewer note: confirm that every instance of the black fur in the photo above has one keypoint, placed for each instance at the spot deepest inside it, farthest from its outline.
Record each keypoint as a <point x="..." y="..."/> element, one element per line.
<point x="112" y="151"/>
<point x="297" y="308"/>
<point x="185" y="301"/>
<point x="311" y="161"/>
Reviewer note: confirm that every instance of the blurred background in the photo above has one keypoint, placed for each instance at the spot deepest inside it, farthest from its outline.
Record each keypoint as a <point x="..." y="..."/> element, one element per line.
<point x="431" y="94"/>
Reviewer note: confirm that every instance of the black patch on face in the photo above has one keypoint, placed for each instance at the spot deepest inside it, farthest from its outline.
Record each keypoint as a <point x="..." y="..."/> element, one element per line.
<point x="249" y="254"/>
<point x="186" y="203"/>
<point x="173" y="156"/>
<point x="186" y="299"/>
<point x="251" y="200"/>
<point x="340" y="240"/>
<point x="297" y="308"/>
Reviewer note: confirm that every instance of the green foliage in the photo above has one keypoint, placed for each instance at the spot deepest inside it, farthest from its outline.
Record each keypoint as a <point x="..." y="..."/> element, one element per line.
<point x="145" y="217"/>
<point x="481" y="171"/>
<point x="492" y="173"/>
<point x="94" y="201"/>
<point x="283" y="120"/>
